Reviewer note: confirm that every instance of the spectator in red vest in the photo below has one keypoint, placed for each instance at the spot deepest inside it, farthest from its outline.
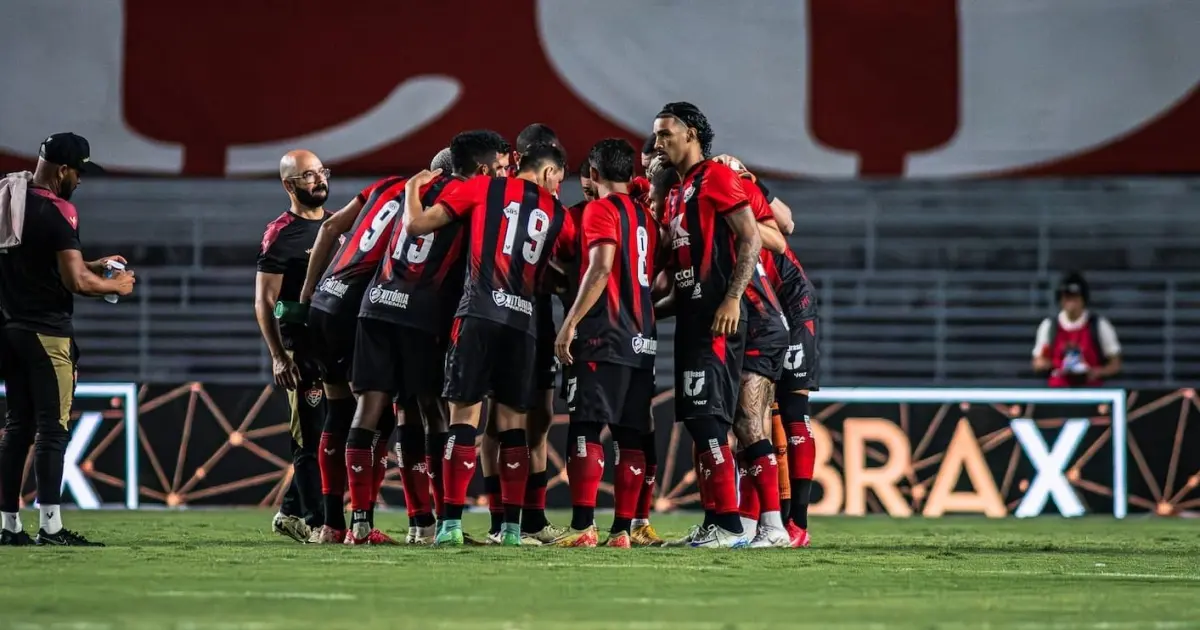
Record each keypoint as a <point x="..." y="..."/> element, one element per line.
<point x="1078" y="348"/>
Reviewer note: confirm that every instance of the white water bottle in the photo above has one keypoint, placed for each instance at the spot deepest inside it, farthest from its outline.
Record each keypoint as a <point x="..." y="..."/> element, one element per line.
<point x="110" y="268"/>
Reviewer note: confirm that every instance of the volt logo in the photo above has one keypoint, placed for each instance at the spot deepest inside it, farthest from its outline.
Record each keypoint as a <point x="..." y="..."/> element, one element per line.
<point x="1051" y="465"/>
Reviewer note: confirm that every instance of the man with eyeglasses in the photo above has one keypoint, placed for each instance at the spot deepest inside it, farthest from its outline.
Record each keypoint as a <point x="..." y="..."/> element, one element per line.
<point x="282" y="264"/>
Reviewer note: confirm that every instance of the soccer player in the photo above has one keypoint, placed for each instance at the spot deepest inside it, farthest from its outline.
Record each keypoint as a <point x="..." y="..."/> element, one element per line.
<point x="514" y="225"/>
<point x="609" y="340"/>
<point x="404" y="326"/>
<point x="37" y="281"/>
<point x="536" y="529"/>
<point x="715" y="244"/>
<point x="766" y="347"/>
<point x="282" y="262"/>
<point x="353" y="450"/>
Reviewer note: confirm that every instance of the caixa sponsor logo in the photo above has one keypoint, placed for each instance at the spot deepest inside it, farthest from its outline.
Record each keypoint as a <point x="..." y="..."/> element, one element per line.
<point x="334" y="287"/>
<point x="645" y="345"/>
<point x="512" y="302"/>
<point x="388" y="297"/>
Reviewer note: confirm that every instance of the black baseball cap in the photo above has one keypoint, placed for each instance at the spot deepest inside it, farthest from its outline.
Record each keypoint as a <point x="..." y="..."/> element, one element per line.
<point x="69" y="149"/>
<point x="1073" y="283"/>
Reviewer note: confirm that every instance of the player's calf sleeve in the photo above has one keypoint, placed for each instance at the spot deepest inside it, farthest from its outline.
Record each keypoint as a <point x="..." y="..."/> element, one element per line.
<point x="585" y="469"/>
<point x="800" y="502"/>
<point x="716" y="462"/>
<point x="763" y="471"/>
<point x="360" y="471"/>
<point x="413" y="467"/>
<point x="458" y="468"/>
<point x="14" y="449"/>
<point x="646" y="496"/>
<point x="435" y="447"/>
<point x="533" y="514"/>
<point x="514" y="472"/>
<point x="629" y="474"/>
<point x="748" y="505"/>
<point x="331" y="459"/>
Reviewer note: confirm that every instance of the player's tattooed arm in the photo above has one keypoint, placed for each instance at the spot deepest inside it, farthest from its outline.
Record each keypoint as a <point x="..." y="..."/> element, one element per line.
<point x="327" y="238"/>
<point x="418" y="220"/>
<point x="772" y="237"/>
<point x="749" y="245"/>
<point x="600" y="263"/>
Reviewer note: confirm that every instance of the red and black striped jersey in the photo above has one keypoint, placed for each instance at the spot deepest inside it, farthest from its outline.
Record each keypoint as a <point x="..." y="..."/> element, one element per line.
<point x="418" y="282"/>
<point x="513" y="227"/>
<point x="620" y="327"/>
<point x="568" y="256"/>
<point x="766" y="326"/>
<point x="791" y="284"/>
<point x="341" y="289"/>
<point x="703" y="245"/>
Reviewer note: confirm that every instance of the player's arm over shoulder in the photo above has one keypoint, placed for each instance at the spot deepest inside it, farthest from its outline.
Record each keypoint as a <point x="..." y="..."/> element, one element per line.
<point x="455" y="203"/>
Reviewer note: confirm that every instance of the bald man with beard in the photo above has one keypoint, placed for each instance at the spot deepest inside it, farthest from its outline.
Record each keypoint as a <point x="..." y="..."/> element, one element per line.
<point x="282" y="264"/>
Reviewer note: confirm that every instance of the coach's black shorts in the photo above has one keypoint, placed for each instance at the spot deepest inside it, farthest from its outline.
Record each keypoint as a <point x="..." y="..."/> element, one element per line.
<point x="401" y="360"/>
<point x="802" y="364"/>
<point x="545" y="363"/>
<point x="41" y="379"/>
<point x="489" y="358"/>
<point x="708" y="374"/>
<point x="608" y="393"/>
<point x="332" y="339"/>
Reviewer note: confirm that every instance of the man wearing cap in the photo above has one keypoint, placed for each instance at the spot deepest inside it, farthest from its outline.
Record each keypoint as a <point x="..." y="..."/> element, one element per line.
<point x="1077" y="348"/>
<point x="37" y="280"/>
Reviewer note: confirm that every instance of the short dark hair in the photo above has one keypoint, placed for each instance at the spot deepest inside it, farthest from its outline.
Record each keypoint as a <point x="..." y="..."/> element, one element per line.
<point x="471" y="149"/>
<point x="691" y="116"/>
<point x="538" y="155"/>
<point x="537" y="133"/>
<point x="613" y="159"/>
<point x="648" y="146"/>
<point x="585" y="166"/>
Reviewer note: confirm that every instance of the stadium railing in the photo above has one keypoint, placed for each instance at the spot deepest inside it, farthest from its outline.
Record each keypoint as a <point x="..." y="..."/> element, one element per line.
<point x="877" y="328"/>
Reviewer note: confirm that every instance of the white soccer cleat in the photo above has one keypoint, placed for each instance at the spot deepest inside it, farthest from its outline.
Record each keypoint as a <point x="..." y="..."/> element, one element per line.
<point x="771" y="537"/>
<point x="717" y="538"/>
<point x="292" y="527"/>
<point x="421" y="535"/>
<point x="687" y="539"/>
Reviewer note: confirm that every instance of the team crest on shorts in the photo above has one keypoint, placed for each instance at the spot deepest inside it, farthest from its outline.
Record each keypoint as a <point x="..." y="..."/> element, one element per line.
<point x="313" y="396"/>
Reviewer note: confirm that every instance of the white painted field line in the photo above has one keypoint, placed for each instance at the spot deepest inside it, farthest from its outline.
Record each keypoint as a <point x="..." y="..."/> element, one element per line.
<point x="322" y="597"/>
<point x="1098" y="574"/>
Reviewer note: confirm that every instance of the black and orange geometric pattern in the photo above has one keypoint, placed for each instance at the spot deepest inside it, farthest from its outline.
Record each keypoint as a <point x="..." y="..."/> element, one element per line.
<point x="228" y="445"/>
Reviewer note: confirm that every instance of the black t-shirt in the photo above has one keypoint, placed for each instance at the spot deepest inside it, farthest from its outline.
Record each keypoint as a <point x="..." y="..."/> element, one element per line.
<point x="285" y="248"/>
<point x="31" y="288"/>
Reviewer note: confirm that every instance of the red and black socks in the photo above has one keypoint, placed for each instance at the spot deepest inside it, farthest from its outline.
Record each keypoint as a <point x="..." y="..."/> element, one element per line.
<point x="413" y="474"/>
<point x="514" y="472"/>
<point x="435" y="446"/>
<point x="331" y="459"/>
<point x="629" y="476"/>
<point x="458" y="468"/>
<point x="717" y="470"/>
<point x="802" y="453"/>
<point x="533" y="515"/>
<point x="641" y="515"/>
<point x="360" y="472"/>
<point x="585" y="469"/>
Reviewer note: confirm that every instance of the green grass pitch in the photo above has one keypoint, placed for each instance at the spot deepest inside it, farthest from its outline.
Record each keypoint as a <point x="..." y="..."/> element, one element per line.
<point x="225" y="570"/>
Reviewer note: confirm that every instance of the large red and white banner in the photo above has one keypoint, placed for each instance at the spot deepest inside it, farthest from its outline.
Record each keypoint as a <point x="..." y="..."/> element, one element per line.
<point x="823" y="88"/>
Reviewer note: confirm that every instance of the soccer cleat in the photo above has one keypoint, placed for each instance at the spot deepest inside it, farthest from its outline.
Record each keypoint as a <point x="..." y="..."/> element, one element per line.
<point x="423" y="535"/>
<point x="510" y="535"/>
<point x="718" y="538"/>
<point x="64" y="538"/>
<point x="645" y="536"/>
<point x="292" y="527"/>
<point x="15" y="539"/>
<point x="475" y="542"/>
<point x="620" y="540"/>
<point x="692" y="534"/>
<point x="581" y="538"/>
<point x="548" y="534"/>
<point x="358" y="534"/>
<point x="449" y="537"/>
<point x="770" y="537"/>
<point x="326" y="535"/>
<point x="377" y="537"/>
<point x="798" y="538"/>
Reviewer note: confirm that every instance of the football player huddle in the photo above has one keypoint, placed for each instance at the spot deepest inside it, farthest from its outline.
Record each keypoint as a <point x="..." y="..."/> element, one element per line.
<point x="425" y="307"/>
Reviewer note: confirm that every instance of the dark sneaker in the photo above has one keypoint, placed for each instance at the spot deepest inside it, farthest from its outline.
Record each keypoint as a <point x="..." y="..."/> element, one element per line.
<point x="18" y="539"/>
<point x="64" y="538"/>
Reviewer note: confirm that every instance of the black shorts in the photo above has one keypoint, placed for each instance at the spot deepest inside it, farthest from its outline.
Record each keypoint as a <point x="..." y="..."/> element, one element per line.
<point x="607" y="393"/>
<point x="708" y="375"/>
<point x="332" y="340"/>
<point x="767" y="362"/>
<point x="545" y="363"/>
<point x="400" y="360"/>
<point x="801" y="365"/>
<point x="41" y="379"/>
<point x="489" y="358"/>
